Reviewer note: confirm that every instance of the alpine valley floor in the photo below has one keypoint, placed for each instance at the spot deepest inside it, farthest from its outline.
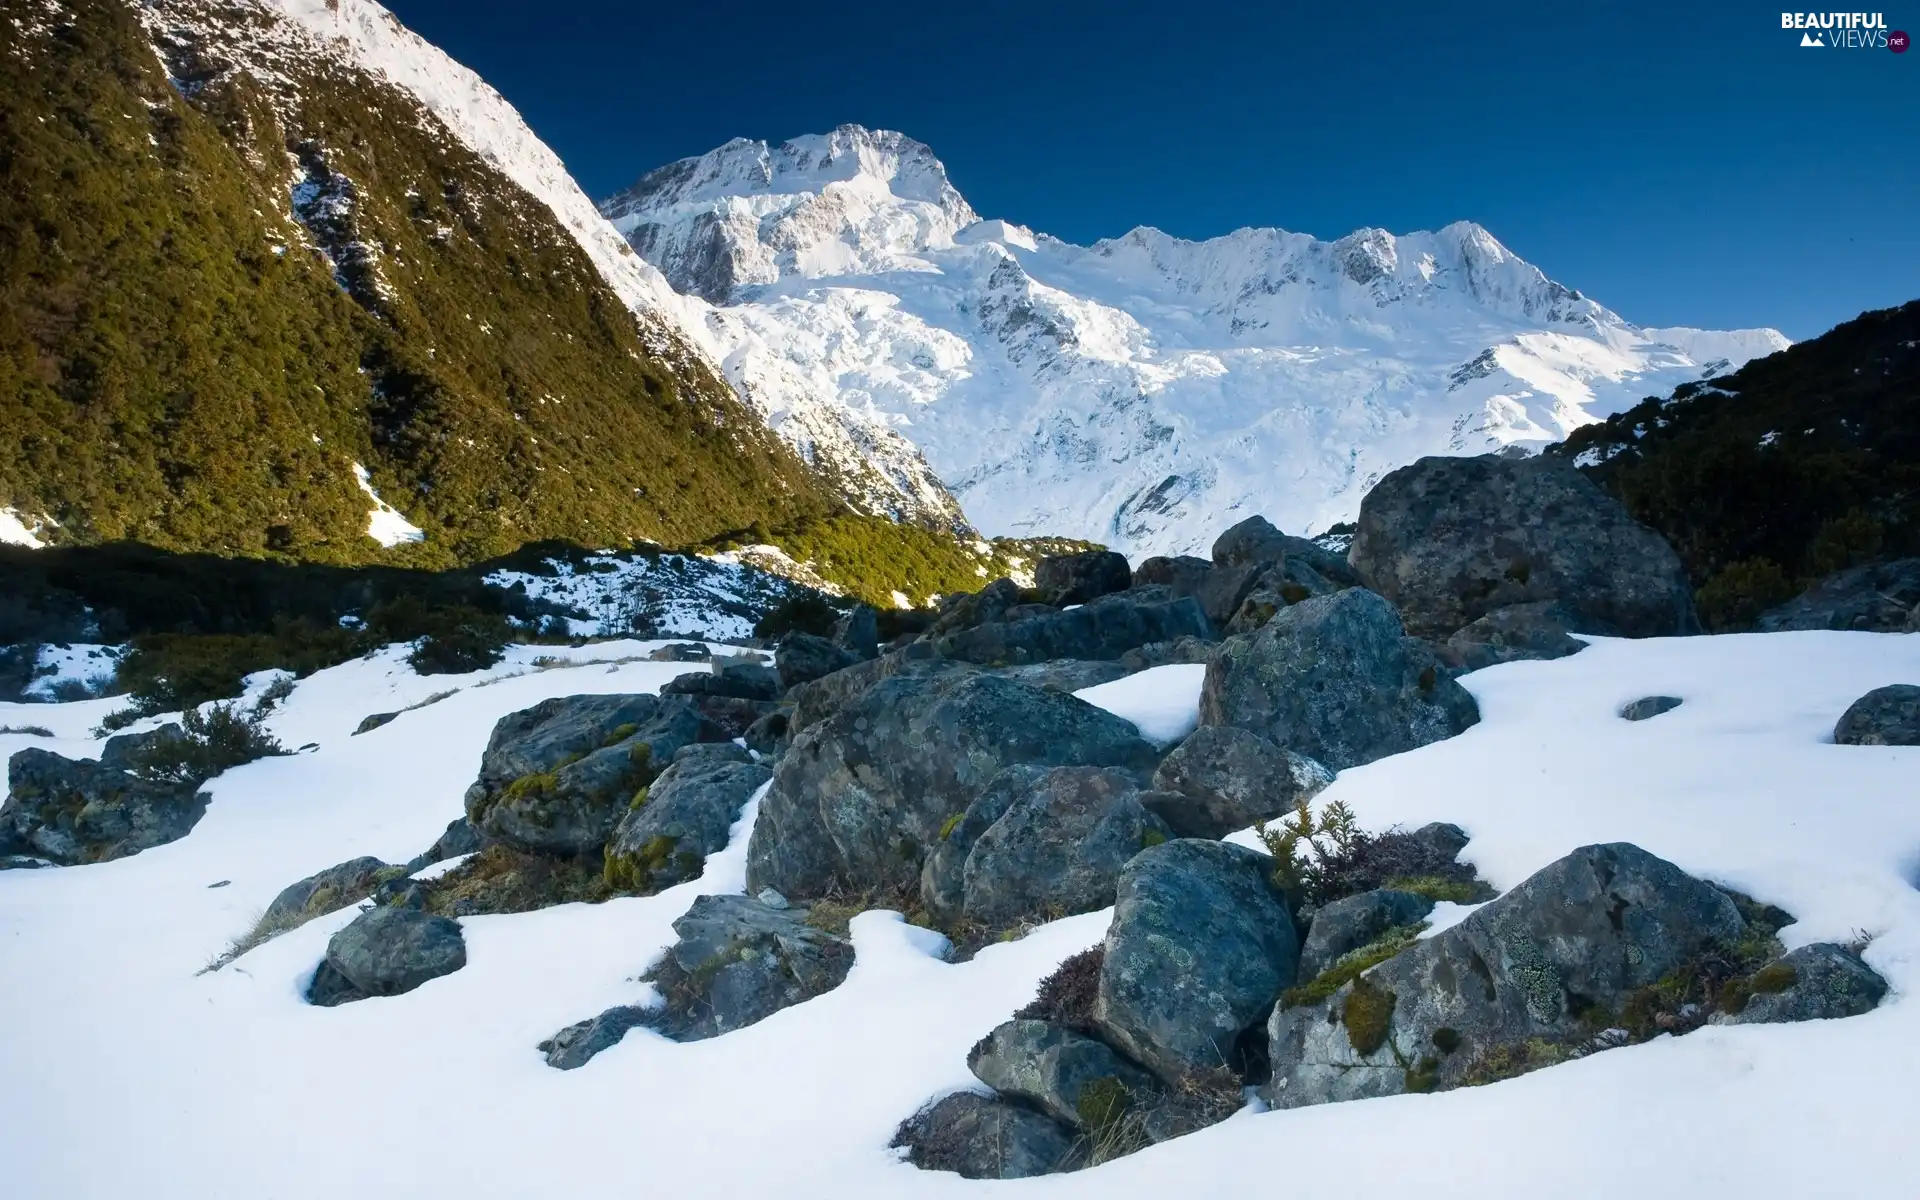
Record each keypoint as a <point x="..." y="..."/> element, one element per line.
<point x="128" y="1073"/>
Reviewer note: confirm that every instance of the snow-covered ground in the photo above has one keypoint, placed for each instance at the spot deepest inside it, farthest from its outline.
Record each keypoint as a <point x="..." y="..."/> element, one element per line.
<point x="128" y="1074"/>
<point x="718" y="596"/>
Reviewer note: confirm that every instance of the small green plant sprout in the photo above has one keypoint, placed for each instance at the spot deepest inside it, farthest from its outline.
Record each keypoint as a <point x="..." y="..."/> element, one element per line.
<point x="1332" y="834"/>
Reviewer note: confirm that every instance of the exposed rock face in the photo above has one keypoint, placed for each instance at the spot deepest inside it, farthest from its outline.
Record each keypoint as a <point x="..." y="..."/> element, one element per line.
<point x="573" y="1047"/>
<point x="1449" y="540"/>
<point x="681" y="817"/>
<point x="1545" y="961"/>
<point x="557" y="777"/>
<point x="373" y="721"/>
<point x="815" y="702"/>
<point x="1222" y="779"/>
<point x="1888" y="716"/>
<point x="1065" y="674"/>
<point x="802" y="658"/>
<point x="1817" y="982"/>
<point x="388" y="951"/>
<point x="860" y="798"/>
<point x="1647" y="707"/>
<point x="460" y="837"/>
<point x="1199" y="947"/>
<point x="1103" y="629"/>
<point x="1335" y="678"/>
<point x="1064" y="1073"/>
<point x="1039" y="843"/>
<point x="740" y="960"/>
<point x="72" y="811"/>
<point x="1350" y="923"/>
<point x="1077" y="578"/>
<point x="983" y="1137"/>
<point x="1541" y="630"/>
<point x="1255" y="542"/>
<point x="1882" y="598"/>
<point x="328" y="891"/>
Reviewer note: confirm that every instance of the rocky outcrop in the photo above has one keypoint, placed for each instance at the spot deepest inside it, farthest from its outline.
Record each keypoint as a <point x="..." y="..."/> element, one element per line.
<point x="387" y="952"/>
<point x="1881" y="598"/>
<point x="802" y="658"/>
<point x="984" y="1137"/>
<point x="858" y="631"/>
<point x="1223" y="778"/>
<point x="681" y="652"/>
<point x="1449" y="540"/>
<point x="859" y="799"/>
<point x="1335" y="678"/>
<point x="740" y="960"/>
<point x="1255" y="542"/>
<point x="557" y="777"/>
<point x="680" y="818"/>
<point x="1888" y="716"/>
<point x="1064" y="579"/>
<point x="969" y="609"/>
<point x="1541" y="630"/>
<point x="1103" y="629"/>
<point x="752" y="680"/>
<point x="815" y="702"/>
<point x="1199" y="947"/>
<point x="72" y="811"/>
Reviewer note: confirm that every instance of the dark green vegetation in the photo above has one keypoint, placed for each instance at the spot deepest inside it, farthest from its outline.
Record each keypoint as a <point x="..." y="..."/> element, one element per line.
<point x="222" y="737"/>
<point x="1794" y="466"/>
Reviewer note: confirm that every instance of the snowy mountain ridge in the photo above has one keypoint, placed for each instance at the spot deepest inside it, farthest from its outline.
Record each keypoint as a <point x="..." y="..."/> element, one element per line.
<point x="1138" y="390"/>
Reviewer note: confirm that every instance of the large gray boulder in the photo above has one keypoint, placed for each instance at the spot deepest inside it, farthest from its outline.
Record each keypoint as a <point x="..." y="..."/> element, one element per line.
<point x="680" y="818"/>
<point x="1887" y="716"/>
<point x="984" y="1137"/>
<point x="1219" y="590"/>
<point x="1547" y="964"/>
<point x="556" y="778"/>
<point x="1255" y="542"/>
<point x="1817" y="982"/>
<point x="966" y="610"/>
<point x="739" y="960"/>
<point x="1335" y="678"/>
<point x="1449" y="540"/>
<point x="815" y="702"/>
<point x="1351" y="922"/>
<point x="1222" y="779"/>
<point x="1181" y="650"/>
<point x="1881" y="598"/>
<point x="388" y="951"/>
<point x="750" y="680"/>
<point x="72" y="811"/>
<point x="1039" y="843"/>
<point x="127" y="751"/>
<point x="1200" y="946"/>
<point x="860" y="798"/>
<point x="1077" y="578"/>
<point x="1102" y="629"/>
<point x="802" y="658"/>
<point x="1075" y="1079"/>
<point x="327" y="891"/>
<point x="1541" y="630"/>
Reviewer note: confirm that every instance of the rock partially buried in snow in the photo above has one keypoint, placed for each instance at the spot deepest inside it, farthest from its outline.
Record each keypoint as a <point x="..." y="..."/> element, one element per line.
<point x="1882" y="597"/>
<point x="1817" y="982"/>
<point x="72" y="811"/>
<point x="1888" y="716"/>
<point x="1072" y="1077"/>
<point x="1064" y="674"/>
<point x="1647" y="707"/>
<point x="327" y="891"/>
<point x="738" y="961"/>
<point x="983" y="1137"/>
<point x="1335" y="678"/>
<point x="126" y="751"/>
<point x="573" y="1047"/>
<point x="391" y="951"/>
<point x="1222" y="779"/>
<point x="680" y="818"/>
<point x="1449" y="540"/>
<point x="1541" y="630"/>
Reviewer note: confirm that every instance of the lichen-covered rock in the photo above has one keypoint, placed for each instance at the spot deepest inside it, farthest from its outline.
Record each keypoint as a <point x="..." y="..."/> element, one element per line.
<point x="1165" y="654"/>
<point x="127" y="751"/>
<point x="329" y="988"/>
<point x="738" y="961"/>
<point x="858" y="799"/>
<point x="1183" y="574"/>
<point x="1065" y="674"/>
<point x="803" y="657"/>
<point x="1255" y="542"/>
<point x="967" y="610"/>
<point x="1545" y="965"/>
<point x="1354" y="921"/>
<point x="1076" y="1079"/>
<point x="573" y="1047"/>
<point x="1879" y="598"/>
<point x="681" y="817"/>
<point x="1335" y="678"/>
<point x="72" y="811"/>
<point x="983" y="1137"/>
<point x="557" y="777"/>
<point x="815" y="702"/>
<point x="1077" y="578"/>
<point x="1888" y="716"/>
<point x="1449" y="540"/>
<point x="328" y="891"/>
<point x="1222" y="779"/>
<point x="1200" y="946"/>
<point x="389" y="951"/>
<point x="1817" y="982"/>
<point x="858" y="631"/>
<point x="1039" y="843"/>
<point x="1102" y="629"/>
<point x="1648" y="707"/>
<point x="1541" y="630"/>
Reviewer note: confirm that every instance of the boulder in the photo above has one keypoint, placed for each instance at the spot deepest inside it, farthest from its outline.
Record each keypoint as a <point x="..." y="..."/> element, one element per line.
<point x="1063" y="579"/>
<point x="557" y="777"/>
<point x="983" y="1137"/>
<point x="1039" y="843"/>
<point x="702" y="755"/>
<point x="859" y="798"/>
<point x="72" y="811"/>
<point x="388" y="951"/>
<point x="802" y="658"/>
<point x="681" y="817"/>
<point x="1880" y="598"/>
<point x="327" y="891"/>
<point x="1183" y="574"/>
<point x="1276" y="587"/>
<point x="1552" y="960"/>
<point x="1648" y="706"/>
<point x="1335" y="678"/>
<point x="738" y="961"/>
<point x="573" y="1047"/>
<point x="1222" y="779"/>
<point x="1255" y="542"/>
<point x="858" y="632"/>
<point x="373" y="721"/>
<point x="329" y="988"/>
<point x="1165" y="654"/>
<point x="1449" y="540"/>
<point x="1200" y="945"/>
<point x="815" y="702"/>
<point x="1075" y="1079"/>
<point x="769" y="736"/>
<point x="127" y="751"/>
<point x="1888" y="716"/>
<point x="965" y="610"/>
<point x="460" y="837"/>
<point x="1064" y="674"/>
<point x="1103" y="629"/>
<point x="1540" y="630"/>
<point x="681" y="652"/>
<point x="738" y="680"/>
<point x="1814" y="983"/>
<point x="1355" y="921"/>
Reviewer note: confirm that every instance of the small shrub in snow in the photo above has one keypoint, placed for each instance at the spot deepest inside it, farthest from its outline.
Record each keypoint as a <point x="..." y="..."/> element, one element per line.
<point x="213" y="740"/>
<point x="1066" y="996"/>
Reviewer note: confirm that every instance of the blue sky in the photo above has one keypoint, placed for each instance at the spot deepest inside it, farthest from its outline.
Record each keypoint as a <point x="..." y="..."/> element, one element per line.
<point x="1682" y="164"/>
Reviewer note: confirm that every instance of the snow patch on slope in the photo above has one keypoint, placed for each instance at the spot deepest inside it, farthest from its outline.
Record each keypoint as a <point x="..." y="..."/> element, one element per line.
<point x="15" y="531"/>
<point x="385" y="523"/>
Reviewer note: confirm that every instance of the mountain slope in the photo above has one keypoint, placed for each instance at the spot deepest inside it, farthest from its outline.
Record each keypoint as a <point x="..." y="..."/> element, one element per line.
<point x="1139" y="390"/>
<point x="228" y="277"/>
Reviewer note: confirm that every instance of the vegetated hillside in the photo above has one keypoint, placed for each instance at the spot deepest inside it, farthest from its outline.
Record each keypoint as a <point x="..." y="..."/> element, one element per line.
<point x="219" y="292"/>
<point x="1795" y="466"/>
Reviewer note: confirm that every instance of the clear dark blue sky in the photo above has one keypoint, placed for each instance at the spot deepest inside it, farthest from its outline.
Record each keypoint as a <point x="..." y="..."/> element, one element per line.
<point x="1683" y="164"/>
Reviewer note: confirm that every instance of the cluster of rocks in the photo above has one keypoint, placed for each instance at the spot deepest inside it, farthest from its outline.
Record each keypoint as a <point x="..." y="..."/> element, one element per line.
<point x="65" y="811"/>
